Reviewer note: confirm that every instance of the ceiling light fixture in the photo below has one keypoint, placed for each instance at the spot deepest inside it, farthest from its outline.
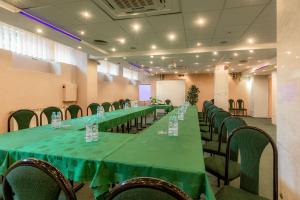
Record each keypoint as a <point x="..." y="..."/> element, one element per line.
<point x="235" y="54"/>
<point x="197" y="56"/>
<point x="151" y="62"/>
<point x="181" y="60"/>
<point x="39" y="30"/>
<point x="251" y="51"/>
<point x="124" y="58"/>
<point x="136" y="27"/>
<point x="176" y="72"/>
<point x="163" y="57"/>
<point x="172" y="36"/>
<point x="198" y="44"/>
<point x="153" y="47"/>
<point x="200" y="21"/>
<point x="113" y="49"/>
<point x="86" y="14"/>
<point x="215" y="53"/>
<point x="121" y="40"/>
<point x="79" y="47"/>
<point x="25" y="14"/>
<point x="82" y="32"/>
<point x="151" y="56"/>
<point x="105" y="59"/>
<point x="250" y="40"/>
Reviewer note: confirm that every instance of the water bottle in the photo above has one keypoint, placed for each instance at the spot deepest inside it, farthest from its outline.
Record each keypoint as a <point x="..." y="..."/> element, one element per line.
<point x="58" y="120"/>
<point x="181" y="113"/>
<point x="88" y="131"/>
<point x="95" y="134"/>
<point x="173" y="126"/>
<point x="126" y="106"/>
<point x="53" y="120"/>
<point x="98" y="111"/>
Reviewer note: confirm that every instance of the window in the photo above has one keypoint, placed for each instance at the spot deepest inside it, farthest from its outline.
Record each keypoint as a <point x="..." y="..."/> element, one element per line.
<point x="106" y="67"/>
<point x="130" y="74"/>
<point x="29" y="44"/>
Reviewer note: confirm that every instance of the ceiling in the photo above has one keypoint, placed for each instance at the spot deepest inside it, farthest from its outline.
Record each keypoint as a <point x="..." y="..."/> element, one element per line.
<point x="224" y="26"/>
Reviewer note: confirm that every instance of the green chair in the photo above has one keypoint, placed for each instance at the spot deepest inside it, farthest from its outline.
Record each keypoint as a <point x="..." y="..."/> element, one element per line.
<point x="116" y="105"/>
<point x="1" y="192"/>
<point x="73" y="111"/>
<point x="216" y="164"/>
<point x="93" y="108"/>
<point x="35" y="180"/>
<point x="106" y="106"/>
<point x="213" y="101"/>
<point x="231" y="108"/>
<point x="122" y="103"/>
<point x="201" y="115"/>
<point x="213" y="146"/>
<point x="23" y="118"/>
<point x="128" y="102"/>
<point x="146" y="188"/>
<point x="251" y="142"/>
<point x="240" y="108"/>
<point x="210" y="133"/>
<point x="48" y="113"/>
<point x="168" y="101"/>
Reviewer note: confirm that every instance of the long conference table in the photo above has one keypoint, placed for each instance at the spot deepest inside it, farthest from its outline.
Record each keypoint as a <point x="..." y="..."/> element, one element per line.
<point x="116" y="157"/>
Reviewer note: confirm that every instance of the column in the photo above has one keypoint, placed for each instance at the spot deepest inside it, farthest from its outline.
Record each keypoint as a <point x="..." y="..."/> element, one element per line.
<point x="221" y="92"/>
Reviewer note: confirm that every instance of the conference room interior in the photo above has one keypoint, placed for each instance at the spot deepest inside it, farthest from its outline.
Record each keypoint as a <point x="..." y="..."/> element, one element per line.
<point x="149" y="99"/>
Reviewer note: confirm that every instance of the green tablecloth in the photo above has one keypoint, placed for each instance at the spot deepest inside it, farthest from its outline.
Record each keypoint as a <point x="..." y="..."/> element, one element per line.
<point x="115" y="157"/>
<point x="167" y="108"/>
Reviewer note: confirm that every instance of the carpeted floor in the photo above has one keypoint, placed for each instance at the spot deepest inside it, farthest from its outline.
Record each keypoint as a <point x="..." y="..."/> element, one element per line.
<point x="266" y="163"/>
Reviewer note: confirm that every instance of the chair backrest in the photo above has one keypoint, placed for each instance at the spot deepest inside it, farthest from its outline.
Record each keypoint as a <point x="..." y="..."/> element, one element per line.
<point x="168" y="101"/>
<point x="213" y="101"/>
<point x="147" y="188"/>
<point x="48" y="113"/>
<point x="122" y="103"/>
<point x="231" y="104"/>
<point x="251" y="143"/>
<point x="23" y="118"/>
<point x="73" y="110"/>
<point x="128" y="102"/>
<point x="217" y="118"/>
<point x="35" y="179"/>
<point x="240" y="103"/>
<point x="116" y="105"/>
<point x="93" y="108"/>
<point x="106" y="106"/>
<point x="228" y="125"/>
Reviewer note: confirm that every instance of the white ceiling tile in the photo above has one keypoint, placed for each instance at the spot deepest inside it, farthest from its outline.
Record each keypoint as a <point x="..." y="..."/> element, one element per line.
<point x="166" y="22"/>
<point x="242" y="3"/>
<point x="239" y="16"/>
<point x="201" y="5"/>
<point x="230" y="31"/>
<point x="199" y="33"/>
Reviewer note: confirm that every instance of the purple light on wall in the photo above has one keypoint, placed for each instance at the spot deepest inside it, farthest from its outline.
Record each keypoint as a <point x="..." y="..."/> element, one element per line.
<point x="144" y="92"/>
<point x="49" y="25"/>
<point x="139" y="67"/>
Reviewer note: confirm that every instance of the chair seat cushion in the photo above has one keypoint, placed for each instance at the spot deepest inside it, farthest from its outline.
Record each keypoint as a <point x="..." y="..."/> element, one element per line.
<point x="216" y="166"/>
<point x="206" y="136"/>
<point x="204" y="128"/>
<point x="1" y="192"/>
<point x="228" y="192"/>
<point x="212" y="147"/>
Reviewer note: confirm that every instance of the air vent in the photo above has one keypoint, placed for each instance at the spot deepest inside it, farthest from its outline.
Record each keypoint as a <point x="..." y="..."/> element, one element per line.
<point x="243" y="61"/>
<point x="223" y="42"/>
<point x="122" y="9"/>
<point x="133" y="48"/>
<point x="100" y="42"/>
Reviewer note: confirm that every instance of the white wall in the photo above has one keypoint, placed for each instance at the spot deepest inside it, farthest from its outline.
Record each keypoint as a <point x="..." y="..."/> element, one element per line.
<point x="259" y="97"/>
<point x="221" y="87"/>
<point x="171" y="89"/>
<point x="288" y="101"/>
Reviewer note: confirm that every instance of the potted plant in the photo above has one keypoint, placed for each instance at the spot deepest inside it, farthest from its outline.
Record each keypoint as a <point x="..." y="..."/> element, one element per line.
<point x="192" y="95"/>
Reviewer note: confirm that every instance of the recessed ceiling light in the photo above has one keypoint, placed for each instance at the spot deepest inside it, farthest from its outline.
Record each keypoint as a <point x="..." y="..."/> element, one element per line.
<point x="151" y="62"/>
<point x="196" y="63"/>
<point x="297" y="57"/>
<point x="153" y="46"/>
<point x="105" y="59"/>
<point x="163" y="57"/>
<point x="79" y="47"/>
<point x="250" y="40"/>
<point x="124" y="58"/>
<point x="142" y="65"/>
<point x="150" y="70"/>
<point x="227" y="62"/>
<point x="175" y="72"/>
<point x="85" y="14"/>
<point x="288" y="52"/>
<point x="121" y="40"/>
<point x="198" y="44"/>
<point x="171" y="36"/>
<point x="259" y="61"/>
<point x="251" y="51"/>
<point x="136" y="27"/>
<point x="181" y="60"/>
<point x="215" y="53"/>
<point x="151" y="56"/>
<point x="39" y="30"/>
<point x="213" y="60"/>
<point x="82" y="32"/>
<point x="235" y="54"/>
<point x="113" y="49"/>
<point x="197" y="56"/>
<point x="200" y="21"/>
